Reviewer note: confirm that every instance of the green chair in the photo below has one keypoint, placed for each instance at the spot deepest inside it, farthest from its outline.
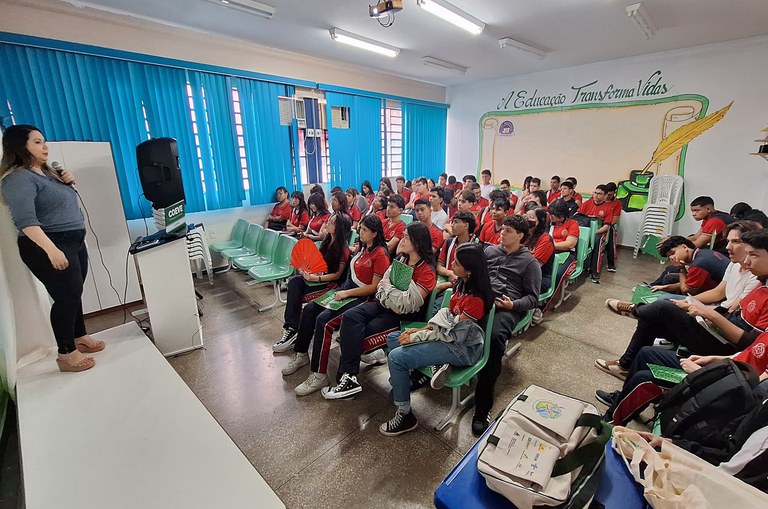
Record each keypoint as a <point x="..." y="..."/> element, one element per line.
<point x="462" y="376"/>
<point x="522" y="326"/>
<point x="553" y="284"/>
<point x="594" y="225"/>
<point x="406" y="218"/>
<point x="263" y="254"/>
<point x="560" y="259"/>
<point x="353" y="238"/>
<point x="277" y="270"/>
<point x="649" y="248"/>
<point x="250" y="243"/>
<point x="430" y="305"/>
<point x="236" y="239"/>
<point x="582" y="252"/>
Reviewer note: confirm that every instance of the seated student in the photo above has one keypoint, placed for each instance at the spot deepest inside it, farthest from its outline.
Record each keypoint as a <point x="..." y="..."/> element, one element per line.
<point x="713" y="223"/>
<point x="610" y="246"/>
<point x="480" y="201"/>
<point x="453" y="184"/>
<point x="640" y="372"/>
<point x="738" y="210"/>
<point x="336" y="254"/>
<point x="436" y="200"/>
<point x="567" y="195"/>
<point x="464" y="203"/>
<point x="385" y="183"/>
<point x="540" y="244"/>
<point x="318" y="216"/>
<point x="391" y="306"/>
<point x="597" y="207"/>
<point x="424" y="215"/>
<point x="462" y="345"/>
<point x="354" y="211"/>
<point x="299" y="218"/>
<point x="450" y="204"/>
<point x="492" y="230"/>
<point x="366" y="189"/>
<point x="431" y="183"/>
<point x="554" y="189"/>
<point x="468" y="180"/>
<point x="281" y="212"/>
<point x="365" y="271"/>
<point x="534" y="186"/>
<point x="463" y="224"/>
<point x="671" y="320"/>
<point x="402" y="190"/>
<point x="565" y="234"/>
<point x="486" y="187"/>
<point x="419" y="190"/>
<point x="698" y="270"/>
<point x="394" y="227"/>
<point x="515" y="281"/>
<point x="378" y="208"/>
<point x="576" y="196"/>
<point x="486" y="213"/>
<point x="442" y="180"/>
<point x="339" y="204"/>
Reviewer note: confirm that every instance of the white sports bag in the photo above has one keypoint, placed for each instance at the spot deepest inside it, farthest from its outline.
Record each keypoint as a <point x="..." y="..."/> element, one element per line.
<point x="545" y="449"/>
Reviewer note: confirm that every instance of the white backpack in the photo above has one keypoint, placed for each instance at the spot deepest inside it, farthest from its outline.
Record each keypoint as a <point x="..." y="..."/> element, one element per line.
<point x="545" y="449"/>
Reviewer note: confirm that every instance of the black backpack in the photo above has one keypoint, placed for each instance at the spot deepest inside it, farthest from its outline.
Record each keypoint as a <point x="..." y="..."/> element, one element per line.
<point x="708" y="406"/>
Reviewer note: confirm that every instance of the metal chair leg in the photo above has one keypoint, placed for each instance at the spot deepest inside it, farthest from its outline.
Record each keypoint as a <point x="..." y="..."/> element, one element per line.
<point x="277" y="298"/>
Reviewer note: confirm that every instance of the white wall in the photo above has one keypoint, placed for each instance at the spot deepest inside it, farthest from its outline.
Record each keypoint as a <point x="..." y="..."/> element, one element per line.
<point x="57" y="20"/>
<point x="717" y="163"/>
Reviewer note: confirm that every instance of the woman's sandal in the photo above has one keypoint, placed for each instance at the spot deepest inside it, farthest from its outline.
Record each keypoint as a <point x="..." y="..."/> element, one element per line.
<point x="89" y="345"/>
<point x="66" y="365"/>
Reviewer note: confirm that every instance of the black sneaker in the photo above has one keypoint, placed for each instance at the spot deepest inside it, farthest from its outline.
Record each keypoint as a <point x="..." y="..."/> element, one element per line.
<point x="480" y="423"/>
<point x="611" y="268"/>
<point x="440" y="375"/>
<point x="594" y="279"/>
<point x="399" y="424"/>
<point x="286" y="342"/>
<point x="347" y="387"/>
<point x="607" y="398"/>
<point x="418" y="380"/>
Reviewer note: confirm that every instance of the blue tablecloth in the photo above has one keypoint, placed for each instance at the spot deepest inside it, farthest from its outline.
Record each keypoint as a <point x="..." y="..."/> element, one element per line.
<point x="465" y="488"/>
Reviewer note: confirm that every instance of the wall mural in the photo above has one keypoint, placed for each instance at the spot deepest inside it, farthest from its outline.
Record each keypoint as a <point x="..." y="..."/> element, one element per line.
<point x="596" y="133"/>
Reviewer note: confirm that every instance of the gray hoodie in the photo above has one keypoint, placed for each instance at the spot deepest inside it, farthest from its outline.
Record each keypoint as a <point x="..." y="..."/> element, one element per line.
<point x="516" y="275"/>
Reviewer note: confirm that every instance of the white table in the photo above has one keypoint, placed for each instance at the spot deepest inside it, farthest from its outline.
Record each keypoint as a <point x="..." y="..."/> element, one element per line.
<point x="128" y="433"/>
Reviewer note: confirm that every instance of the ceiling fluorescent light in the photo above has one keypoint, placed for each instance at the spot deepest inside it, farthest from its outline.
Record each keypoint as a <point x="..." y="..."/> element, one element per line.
<point x="361" y="42"/>
<point x="250" y="6"/>
<point x="442" y="64"/>
<point x="508" y="42"/>
<point x="643" y="20"/>
<point x="451" y="14"/>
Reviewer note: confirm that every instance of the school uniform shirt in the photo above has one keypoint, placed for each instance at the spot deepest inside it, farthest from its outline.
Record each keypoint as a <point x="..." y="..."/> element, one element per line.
<point x="355" y="213"/>
<point x="437" y="237"/>
<point x="754" y="308"/>
<point x="365" y="265"/>
<point x="369" y="198"/>
<point x="406" y="194"/>
<point x="738" y="284"/>
<point x="552" y="196"/>
<point x="544" y="250"/>
<point x="482" y="202"/>
<point x="573" y="207"/>
<point x="603" y="211"/>
<point x="578" y="197"/>
<point x="424" y="276"/>
<point x="448" y="252"/>
<point x="392" y="230"/>
<point x="476" y="209"/>
<point x="615" y="210"/>
<point x="382" y="215"/>
<point x="512" y="201"/>
<point x="489" y="234"/>
<point x="345" y="254"/>
<point x="451" y="211"/>
<point x="317" y="221"/>
<point x="470" y="305"/>
<point x="300" y="219"/>
<point x="705" y="270"/>
<point x="755" y="354"/>
<point x="484" y="217"/>
<point x="561" y="232"/>
<point x="282" y="210"/>
<point x="714" y="225"/>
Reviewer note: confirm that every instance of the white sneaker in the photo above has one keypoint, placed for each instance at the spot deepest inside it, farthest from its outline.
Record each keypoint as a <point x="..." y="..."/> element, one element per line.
<point x="375" y="358"/>
<point x="313" y="383"/>
<point x="298" y="360"/>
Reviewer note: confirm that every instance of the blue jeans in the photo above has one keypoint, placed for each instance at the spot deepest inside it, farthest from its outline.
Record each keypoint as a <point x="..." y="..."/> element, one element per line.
<point x="402" y="359"/>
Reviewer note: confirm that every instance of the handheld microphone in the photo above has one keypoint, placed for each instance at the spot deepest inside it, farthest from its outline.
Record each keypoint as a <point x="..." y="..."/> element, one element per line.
<point x="56" y="166"/>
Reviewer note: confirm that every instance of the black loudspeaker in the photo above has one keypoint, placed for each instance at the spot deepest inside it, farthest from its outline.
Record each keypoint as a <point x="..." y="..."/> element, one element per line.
<point x="159" y="171"/>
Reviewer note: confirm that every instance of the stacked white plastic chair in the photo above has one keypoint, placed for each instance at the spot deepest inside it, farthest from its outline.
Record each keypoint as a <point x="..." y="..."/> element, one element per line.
<point x="199" y="254"/>
<point x="661" y="209"/>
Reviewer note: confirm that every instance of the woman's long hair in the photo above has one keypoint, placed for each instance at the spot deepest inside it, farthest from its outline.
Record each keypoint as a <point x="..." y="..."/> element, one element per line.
<point x="472" y="258"/>
<point x="341" y="198"/>
<point x="15" y="153"/>
<point x="364" y="185"/>
<point x="541" y="228"/>
<point x="386" y="182"/>
<point x="318" y="201"/>
<point x="302" y="204"/>
<point x="422" y="241"/>
<point x="332" y="248"/>
<point x="373" y="223"/>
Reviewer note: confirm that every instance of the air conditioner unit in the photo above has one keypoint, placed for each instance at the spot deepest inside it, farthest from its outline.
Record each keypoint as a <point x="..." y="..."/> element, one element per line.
<point x="300" y="113"/>
<point x="340" y="117"/>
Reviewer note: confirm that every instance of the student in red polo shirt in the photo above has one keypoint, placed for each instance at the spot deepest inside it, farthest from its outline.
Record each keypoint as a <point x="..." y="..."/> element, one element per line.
<point x="596" y="207"/>
<point x="299" y="219"/>
<point x="554" y="189"/>
<point x="464" y="203"/>
<point x="463" y="224"/>
<point x="402" y="190"/>
<point x="368" y="324"/>
<point x="713" y="223"/>
<point x="424" y="215"/>
<point x="281" y="212"/>
<point x="492" y="229"/>
<point x="479" y="200"/>
<point x="318" y="216"/>
<point x="576" y="196"/>
<point x="354" y="211"/>
<point x="366" y="189"/>
<point x="394" y="227"/>
<point x="317" y="324"/>
<point x="540" y="244"/>
<point x="565" y="234"/>
<point x="485" y="215"/>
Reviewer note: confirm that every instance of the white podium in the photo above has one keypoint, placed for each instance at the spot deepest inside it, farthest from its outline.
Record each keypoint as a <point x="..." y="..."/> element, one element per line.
<point x="170" y="297"/>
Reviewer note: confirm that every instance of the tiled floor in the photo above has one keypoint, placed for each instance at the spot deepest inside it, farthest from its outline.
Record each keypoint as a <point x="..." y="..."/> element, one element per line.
<point x="330" y="454"/>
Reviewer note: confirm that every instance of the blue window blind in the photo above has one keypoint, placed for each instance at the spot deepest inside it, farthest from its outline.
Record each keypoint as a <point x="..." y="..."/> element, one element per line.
<point x="424" y="131"/>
